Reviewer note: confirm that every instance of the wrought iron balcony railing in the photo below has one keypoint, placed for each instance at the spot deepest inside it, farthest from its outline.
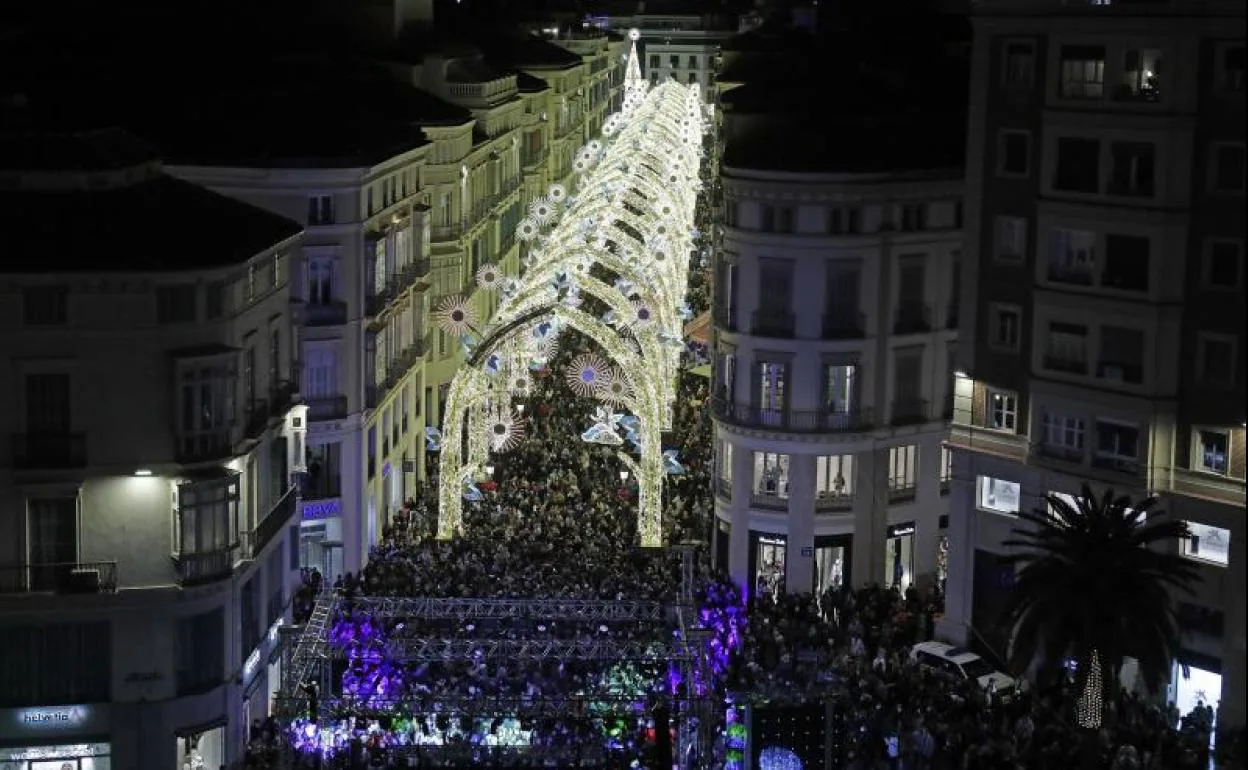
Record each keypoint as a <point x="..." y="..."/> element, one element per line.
<point x="73" y="577"/>
<point x="794" y="420"/>
<point x="327" y="407"/>
<point x="844" y="326"/>
<point x="205" y="566"/>
<point x="912" y="318"/>
<point x="274" y="522"/>
<point x="907" y="411"/>
<point x="325" y="314"/>
<point x="772" y="323"/>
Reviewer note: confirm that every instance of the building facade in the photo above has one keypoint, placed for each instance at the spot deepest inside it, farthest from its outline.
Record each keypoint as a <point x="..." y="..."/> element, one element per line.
<point x="148" y="516"/>
<point x="835" y="318"/>
<point x="680" y="47"/>
<point x="1103" y="340"/>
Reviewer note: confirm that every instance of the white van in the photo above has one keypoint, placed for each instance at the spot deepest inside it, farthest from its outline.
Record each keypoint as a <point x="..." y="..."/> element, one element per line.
<point x="964" y="664"/>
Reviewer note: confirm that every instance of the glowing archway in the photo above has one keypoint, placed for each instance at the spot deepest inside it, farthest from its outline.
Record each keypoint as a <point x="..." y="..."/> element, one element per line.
<point x="631" y="212"/>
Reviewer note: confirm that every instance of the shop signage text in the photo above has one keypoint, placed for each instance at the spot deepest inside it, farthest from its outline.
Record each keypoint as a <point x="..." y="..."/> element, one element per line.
<point x="54" y="720"/>
<point x="321" y="509"/>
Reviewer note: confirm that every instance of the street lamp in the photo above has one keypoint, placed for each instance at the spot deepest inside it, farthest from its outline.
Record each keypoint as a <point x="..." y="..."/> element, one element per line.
<point x="489" y="470"/>
<point x="624" y="477"/>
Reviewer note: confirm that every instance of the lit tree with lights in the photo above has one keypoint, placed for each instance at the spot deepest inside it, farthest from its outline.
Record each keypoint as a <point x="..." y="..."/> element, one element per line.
<point x="1095" y="584"/>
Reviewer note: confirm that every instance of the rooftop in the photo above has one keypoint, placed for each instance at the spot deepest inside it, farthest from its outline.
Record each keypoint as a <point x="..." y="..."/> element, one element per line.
<point x="881" y="145"/>
<point x="155" y="224"/>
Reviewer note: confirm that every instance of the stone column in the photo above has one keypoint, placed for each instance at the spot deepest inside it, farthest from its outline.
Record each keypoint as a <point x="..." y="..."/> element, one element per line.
<point x="798" y="566"/>
<point x="954" y="625"/>
<point x="1231" y="707"/>
<point x="929" y="505"/>
<point x="739" y="538"/>
<point x="870" y="517"/>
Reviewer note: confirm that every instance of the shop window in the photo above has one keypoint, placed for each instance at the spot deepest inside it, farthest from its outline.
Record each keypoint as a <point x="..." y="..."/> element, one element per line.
<point x="829" y="568"/>
<point x="1212" y="451"/>
<point x="771" y="567"/>
<point x="999" y="495"/>
<point x="1207" y="543"/>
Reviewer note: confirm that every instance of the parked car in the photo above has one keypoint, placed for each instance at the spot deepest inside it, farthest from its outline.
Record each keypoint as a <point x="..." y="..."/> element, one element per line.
<point x="962" y="665"/>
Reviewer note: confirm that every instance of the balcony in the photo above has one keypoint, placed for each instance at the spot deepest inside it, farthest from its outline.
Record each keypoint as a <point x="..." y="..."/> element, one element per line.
<point x="724" y="318"/>
<point x="912" y="318"/>
<point x="197" y="568"/>
<point x="327" y="408"/>
<point x="274" y="522"/>
<point x="1115" y="464"/>
<point x="203" y="447"/>
<point x="772" y="323"/>
<point x="769" y="501"/>
<point x="1113" y="371"/>
<point x="75" y="577"/>
<point x="793" y="420"/>
<point x="282" y="396"/>
<point x="844" y="326"/>
<point x="530" y="159"/>
<point x="445" y="233"/>
<point x="257" y="418"/>
<point x="1060" y="363"/>
<point x="325" y="314"/>
<point x="909" y="411"/>
<point x="49" y="451"/>
<point x="901" y="493"/>
<point x="831" y="502"/>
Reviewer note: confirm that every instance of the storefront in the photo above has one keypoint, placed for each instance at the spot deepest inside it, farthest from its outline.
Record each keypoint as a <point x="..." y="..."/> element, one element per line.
<point x="832" y="558"/>
<point x="55" y="738"/>
<point x="201" y="748"/>
<point x="320" y="537"/>
<point x="899" y="556"/>
<point x="1196" y="680"/>
<point x="767" y="562"/>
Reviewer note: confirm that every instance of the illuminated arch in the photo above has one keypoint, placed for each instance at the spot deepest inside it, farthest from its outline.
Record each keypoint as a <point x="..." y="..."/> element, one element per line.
<point x="631" y="211"/>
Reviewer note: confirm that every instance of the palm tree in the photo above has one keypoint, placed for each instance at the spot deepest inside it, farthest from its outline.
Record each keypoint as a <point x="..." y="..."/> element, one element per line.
<point x="1094" y="586"/>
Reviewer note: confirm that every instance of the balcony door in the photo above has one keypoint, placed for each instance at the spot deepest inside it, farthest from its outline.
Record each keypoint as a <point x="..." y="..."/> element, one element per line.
<point x="772" y="391"/>
<point x="47" y="403"/>
<point x="841" y="380"/>
<point x="51" y="539"/>
<point x="910" y="281"/>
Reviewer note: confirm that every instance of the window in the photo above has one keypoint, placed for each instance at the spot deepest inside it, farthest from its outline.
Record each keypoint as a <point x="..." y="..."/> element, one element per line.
<point x="693" y="62"/>
<point x="275" y="358"/>
<point x="775" y="285"/>
<point x="176" y="304"/>
<point x="321" y="210"/>
<point x="320" y="280"/>
<point x="1215" y="359"/>
<point x="1223" y="264"/>
<point x="1212" y="451"/>
<point x="902" y="462"/>
<point x="946" y="468"/>
<point x="1231" y="69"/>
<point x="1082" y="71"/>
<point x="1002" y="411"/>
<point x="1018" y="65"/>
<point x="1063" y="432"/>
<point x="45" y="305"/>
<point x="913" y="217"/>
<point x="1122" y="355"/>
<point x="771" y="475"/>
<point x="215" y="304"/>
<point x="320" y="374"/>
<point x="52" y="538"/>
<point x="834" y="477"/>
<point x="692" y="78"/>
<point x="324" y="476"/>
<point x="843" y="221"/>
<point x="654" y="62"/>
<point x="784" y="220"/>
<point x="200" y="652"/>
<point x="1005" y="322"/>
<point x="207" y="516"/>
<point x="840" y="388"/>
<point x="1013" y="153"/>
<point x="1078" y="165"/>
<point x="206" y="406"/>
<point x="1228" y="168"/>
<point x="1126" y="262"/>
<point x="1141" y="76"/>
<point x="673" y="61"/>
<point x="1067" y="348"/>
<point x="1117" y="445"/>
<point x="771" y="388"/>
<point x="1011" y="239"/>
<point x="1134" y="164"/>
<point x="48" y="403"/>
<point x="56" y="663"/>
<point x="999" y="495"/>
<point x="1072" y="256"/>
<point x="1207" y="543"/>
<point x="766" y="218"/>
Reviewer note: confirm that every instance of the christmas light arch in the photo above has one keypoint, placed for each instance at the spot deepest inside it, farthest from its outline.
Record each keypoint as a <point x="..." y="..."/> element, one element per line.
<point x="631" y="211"/>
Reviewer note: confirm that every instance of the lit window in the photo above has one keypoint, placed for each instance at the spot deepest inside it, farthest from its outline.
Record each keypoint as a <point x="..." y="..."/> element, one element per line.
<point x="1213" y="451"/>
<point x="1082" y="71"/>
<point x="1002" y="411"/>
<point x="1207" y="543"/>
<point x="999" y="495"/>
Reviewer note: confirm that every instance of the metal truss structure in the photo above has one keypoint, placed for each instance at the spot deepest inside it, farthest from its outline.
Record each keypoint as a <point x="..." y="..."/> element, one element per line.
<point x="512" y="609"/>
<point x="570" y="705"/>
<point x="424" y="649"/>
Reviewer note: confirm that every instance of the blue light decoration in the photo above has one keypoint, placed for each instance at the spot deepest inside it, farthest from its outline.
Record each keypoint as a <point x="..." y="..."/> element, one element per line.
<point x="778" y="758"/>
<point x="601" y="434"/>
<point x="371" y="678"/>
<point x="671" y="463"/>
<point x="433" y="439"/>
<point x="493" y="364"/>
<point x="723" y="612"/>
<point x="736" y="736"/>
<point x="471" y="493"/>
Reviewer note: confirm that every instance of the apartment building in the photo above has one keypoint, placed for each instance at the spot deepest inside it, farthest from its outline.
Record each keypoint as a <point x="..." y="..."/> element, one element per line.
<point x="149" y="526"/>
<point x="678" y="46"/>
<point x="1104" y="336"/>
<point x="835" y="321"/>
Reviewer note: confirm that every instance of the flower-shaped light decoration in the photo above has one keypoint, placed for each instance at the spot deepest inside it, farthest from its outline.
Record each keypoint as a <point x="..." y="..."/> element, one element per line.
<point x="489" y="277"/>
<point x="643" y="314"/>
<point x="527" y="230"/>
<point x="433" y="439"/>
<point x="542" y="211"/>
<point x="587" y="374"/>
<point x="471" y="493"/>
<point x="618" y="389"/>
<point x="594" y="146"/>
<point x="671" y="463"/>
<point x="601" y="434"/>
<point x="580" y="166"/>
<point x="665" y="210"/>
<point x="506" y="429"/>
<point x="608" y="128"/>
<point x="519" y="383"/>
<point x="557" y="193"/>
<point x="454" y="316"/>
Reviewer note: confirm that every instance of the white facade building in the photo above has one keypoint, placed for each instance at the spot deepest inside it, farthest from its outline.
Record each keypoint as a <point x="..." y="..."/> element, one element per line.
<point x="680" y="47"/>
<point x="835" y="322"/>
<point x="148" y="521"/>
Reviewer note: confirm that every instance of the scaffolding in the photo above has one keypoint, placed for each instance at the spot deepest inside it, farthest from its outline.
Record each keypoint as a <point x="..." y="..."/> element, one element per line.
<point x="428" y="608"/>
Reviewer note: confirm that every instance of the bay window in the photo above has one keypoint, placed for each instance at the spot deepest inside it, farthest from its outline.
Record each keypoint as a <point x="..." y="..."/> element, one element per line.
<point x="206" y="393"/>
<point x="206" y="518"/>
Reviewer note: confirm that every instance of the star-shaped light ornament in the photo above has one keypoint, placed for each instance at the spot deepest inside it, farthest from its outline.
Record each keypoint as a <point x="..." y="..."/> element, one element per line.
<point x="618" y="390"/>
<point x="587" y="373"/>
<point x="489" y="277"/>
<point x="505" y="429"/>
<point x="454" y="316"/>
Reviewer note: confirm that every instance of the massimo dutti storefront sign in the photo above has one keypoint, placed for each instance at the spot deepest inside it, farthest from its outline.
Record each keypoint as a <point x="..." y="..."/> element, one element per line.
<point x="52" y="721"/>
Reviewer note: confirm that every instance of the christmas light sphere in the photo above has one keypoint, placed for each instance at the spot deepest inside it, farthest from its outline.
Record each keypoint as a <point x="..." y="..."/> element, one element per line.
<point x="634" y="34"/>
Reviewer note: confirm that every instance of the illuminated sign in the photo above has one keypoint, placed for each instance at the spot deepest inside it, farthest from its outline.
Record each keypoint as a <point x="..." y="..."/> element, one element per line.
<point x="901" y="530"/>
<point x="59" y="717"/>
<point x="52" y="720"/>
<point x="316" y="510"/>
<point x="249" y="667"/>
